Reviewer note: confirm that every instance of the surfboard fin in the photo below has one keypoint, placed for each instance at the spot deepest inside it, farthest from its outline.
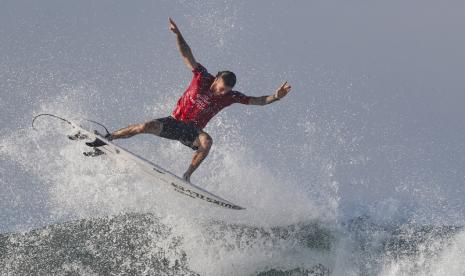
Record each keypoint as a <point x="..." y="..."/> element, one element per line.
<point x="96" y="143"/>
<point x="78" y="136"/>
<point x="93" y="153"/>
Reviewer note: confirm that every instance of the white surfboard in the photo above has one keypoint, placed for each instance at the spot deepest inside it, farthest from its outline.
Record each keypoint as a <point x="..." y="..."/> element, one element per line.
<point x="164" y="176"/>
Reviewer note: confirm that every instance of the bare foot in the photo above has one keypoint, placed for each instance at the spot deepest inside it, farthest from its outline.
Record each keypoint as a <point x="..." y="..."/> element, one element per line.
<point x="186" y="177"/>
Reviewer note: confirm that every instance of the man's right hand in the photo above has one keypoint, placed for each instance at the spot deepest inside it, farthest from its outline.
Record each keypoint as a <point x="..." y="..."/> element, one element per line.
<point x="185" y="50"/>
<point x="173" y="27"/>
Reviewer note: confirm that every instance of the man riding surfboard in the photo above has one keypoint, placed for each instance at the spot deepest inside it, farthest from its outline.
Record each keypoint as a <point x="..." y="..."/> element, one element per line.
<point x="203" y="99"/>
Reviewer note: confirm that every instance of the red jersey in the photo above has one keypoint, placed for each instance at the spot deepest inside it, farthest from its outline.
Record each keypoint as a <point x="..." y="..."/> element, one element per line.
<point x="198" y="104"/>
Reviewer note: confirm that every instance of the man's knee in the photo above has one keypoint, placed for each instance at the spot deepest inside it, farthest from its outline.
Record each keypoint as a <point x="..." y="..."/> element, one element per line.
<point x="205" y="141"/>
<point x="153" y="127"/>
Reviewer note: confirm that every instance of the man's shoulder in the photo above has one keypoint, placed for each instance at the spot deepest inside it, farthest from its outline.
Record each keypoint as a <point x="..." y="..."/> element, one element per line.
<point x="235" y="93"/>
<point x="201" y="70"/>
<point x="238" y="97"/>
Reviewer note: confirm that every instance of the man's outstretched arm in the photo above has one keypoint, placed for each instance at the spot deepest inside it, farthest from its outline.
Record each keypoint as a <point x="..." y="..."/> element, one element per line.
<point x="279" y="94"/>
<point x="185" y="50"/>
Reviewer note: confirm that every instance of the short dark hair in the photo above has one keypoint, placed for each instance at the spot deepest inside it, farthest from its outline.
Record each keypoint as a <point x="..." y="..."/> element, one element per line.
<point x="228" y="77"/>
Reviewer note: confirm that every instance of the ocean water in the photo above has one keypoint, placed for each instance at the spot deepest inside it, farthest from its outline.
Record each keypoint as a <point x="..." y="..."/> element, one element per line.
<point x="359" y="171"/>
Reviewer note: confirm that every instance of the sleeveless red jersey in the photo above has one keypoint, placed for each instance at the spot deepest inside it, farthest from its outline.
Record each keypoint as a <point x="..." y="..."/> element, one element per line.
<point x="198" y="104"/>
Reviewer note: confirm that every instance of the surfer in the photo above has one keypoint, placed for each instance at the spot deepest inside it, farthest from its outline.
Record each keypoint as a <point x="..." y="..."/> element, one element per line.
<point x="203" y="99"/>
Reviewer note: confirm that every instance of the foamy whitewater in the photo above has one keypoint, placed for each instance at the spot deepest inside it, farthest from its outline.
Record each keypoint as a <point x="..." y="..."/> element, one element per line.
<point x="334" y="181"/>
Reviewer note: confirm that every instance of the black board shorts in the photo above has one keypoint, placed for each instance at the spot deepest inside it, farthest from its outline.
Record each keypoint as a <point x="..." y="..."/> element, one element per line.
<point x="178" y="130"/>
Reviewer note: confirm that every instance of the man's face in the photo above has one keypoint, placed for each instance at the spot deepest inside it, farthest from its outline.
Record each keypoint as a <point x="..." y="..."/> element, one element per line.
<point x="219" y="87"/>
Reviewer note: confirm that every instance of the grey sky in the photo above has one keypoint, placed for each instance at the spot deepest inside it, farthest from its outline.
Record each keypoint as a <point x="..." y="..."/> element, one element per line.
<point x="378" y="87"/>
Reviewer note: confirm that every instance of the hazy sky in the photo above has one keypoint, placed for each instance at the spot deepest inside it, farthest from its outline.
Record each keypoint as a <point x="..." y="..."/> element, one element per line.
<point x="378" y="86"/>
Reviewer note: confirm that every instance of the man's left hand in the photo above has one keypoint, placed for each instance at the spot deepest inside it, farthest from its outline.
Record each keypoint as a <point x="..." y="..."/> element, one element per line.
<point x="282" y="90"/>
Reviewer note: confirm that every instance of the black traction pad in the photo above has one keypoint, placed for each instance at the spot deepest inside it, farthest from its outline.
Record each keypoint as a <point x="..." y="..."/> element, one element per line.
<point x="96" y="143"/>
<point x="95" y="152"/>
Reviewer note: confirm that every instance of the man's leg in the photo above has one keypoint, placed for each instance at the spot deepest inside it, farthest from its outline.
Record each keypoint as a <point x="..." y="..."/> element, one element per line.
<point x="204" y="143"/>
<point x="153" y="127"/>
